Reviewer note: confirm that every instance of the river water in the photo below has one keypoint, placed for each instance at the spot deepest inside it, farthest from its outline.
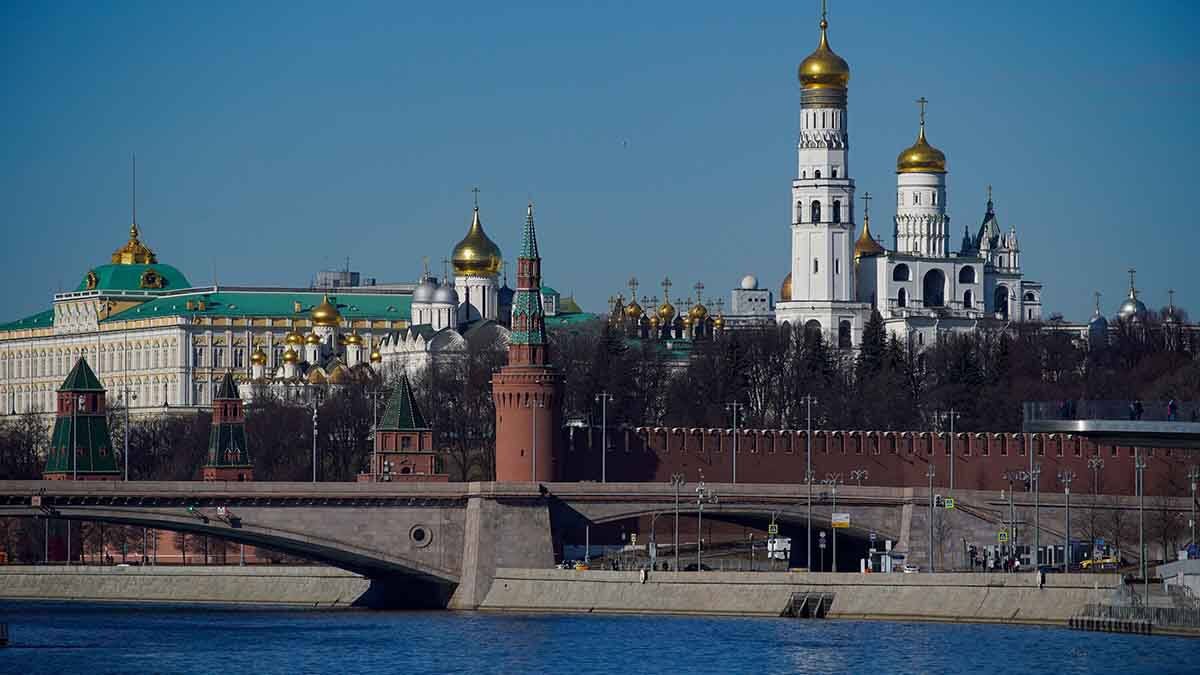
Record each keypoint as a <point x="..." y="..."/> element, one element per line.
<point x="95" y="639"/>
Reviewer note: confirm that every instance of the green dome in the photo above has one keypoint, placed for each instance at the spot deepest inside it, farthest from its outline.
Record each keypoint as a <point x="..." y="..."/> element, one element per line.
<point x="117" y="277"/>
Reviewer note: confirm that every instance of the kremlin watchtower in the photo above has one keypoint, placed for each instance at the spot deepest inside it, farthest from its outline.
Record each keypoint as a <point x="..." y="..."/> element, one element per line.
<point x="228" y="457"/>
<point x="527" y="390"/>
<point x="81" y="447"/>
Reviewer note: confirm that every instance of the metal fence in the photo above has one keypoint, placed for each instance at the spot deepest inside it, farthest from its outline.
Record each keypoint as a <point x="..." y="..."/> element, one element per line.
<point x="1148" y="411"/>
<point x="1177" y="617"/>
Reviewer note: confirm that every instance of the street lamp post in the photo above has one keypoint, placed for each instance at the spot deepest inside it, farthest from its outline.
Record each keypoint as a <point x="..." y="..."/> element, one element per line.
<point x="703" y="495"/>
<point x="128" y="401"/>
<point x="603" y="397"/>
<point x="929" y="473"/>
<point x="1193" y="475"/>
<point x="375" y="395"/>
<point x="677" y="482"/>
<point x="1035" y="480"/>
<point x="808" y="474"/>
<point x="951" y="415"/>
<point x="314" y="440"/>
<point x="1065" y="477"/>
<point x="734" y="407"/>
<point x="534" y="405"/>
<point x="1139" y="465"/>
<point x="1012" y="475"/>
<point x="833" y="480"/>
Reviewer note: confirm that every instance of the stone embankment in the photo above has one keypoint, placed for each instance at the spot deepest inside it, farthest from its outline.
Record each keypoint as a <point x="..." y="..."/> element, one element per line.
<point x="987" y="598"/>
<point x="303" y="586"/>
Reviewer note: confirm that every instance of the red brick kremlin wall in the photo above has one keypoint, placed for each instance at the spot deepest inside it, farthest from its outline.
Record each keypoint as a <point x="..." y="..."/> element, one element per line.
<point x="892" y="458"/>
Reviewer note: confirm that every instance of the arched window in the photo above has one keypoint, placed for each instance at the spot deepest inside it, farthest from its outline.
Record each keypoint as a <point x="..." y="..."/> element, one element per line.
<point x="934" y="288"/>
<point x="1030" y="297"/>
<point x="837" y="211"/>
<point x="902" y="298"/>
<point x="812" y="328"/>
<point x="901" y="273"/>
<point x="968" y="299"/>
<point x="1000" y="300"/>
<point x="799" y="212"/>
<point x="817" y="173"/>
<point x="966" y="275"/>
<point x="844" y="335"/>
<point x="834" y="170"/>
<point x="815" y="210"/>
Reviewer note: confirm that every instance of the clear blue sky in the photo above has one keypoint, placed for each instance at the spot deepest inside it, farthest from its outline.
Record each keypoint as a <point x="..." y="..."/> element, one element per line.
<point x="657" y="138"/>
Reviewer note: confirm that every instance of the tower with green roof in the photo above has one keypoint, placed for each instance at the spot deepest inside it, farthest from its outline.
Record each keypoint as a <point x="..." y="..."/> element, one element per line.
<point x="404" y="447"/>
<point x="81" y="447"/>
<point x="527" y="391"/>
<point x="228" y="456"/>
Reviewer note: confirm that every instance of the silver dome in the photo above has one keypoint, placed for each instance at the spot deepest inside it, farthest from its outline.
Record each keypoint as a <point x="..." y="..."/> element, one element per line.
<point x="445" y="294"/>
<point x="1132" y="308"/>
<point x="424" y="291"/>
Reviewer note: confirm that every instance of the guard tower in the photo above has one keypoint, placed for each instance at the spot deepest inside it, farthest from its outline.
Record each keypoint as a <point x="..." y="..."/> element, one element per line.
<point x="81" y="447"/>
<point x="228" y="457"/>
<point x="403" y="442"/>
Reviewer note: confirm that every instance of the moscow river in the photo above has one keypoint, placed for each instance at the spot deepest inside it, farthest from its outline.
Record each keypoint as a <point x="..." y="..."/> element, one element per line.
<point x="95" y="639"/>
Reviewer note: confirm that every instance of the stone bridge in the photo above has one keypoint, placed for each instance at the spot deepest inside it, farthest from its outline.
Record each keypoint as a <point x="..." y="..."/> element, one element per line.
<point x="439" y="544"/>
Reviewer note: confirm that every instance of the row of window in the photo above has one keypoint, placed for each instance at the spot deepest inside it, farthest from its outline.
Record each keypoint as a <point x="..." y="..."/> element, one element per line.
<point x="61" y="363"/>
<point x="930" y="197"/>
<point x="214" y="357"/>
<point x="817" y="173"/>
<point x="814" y="212"/>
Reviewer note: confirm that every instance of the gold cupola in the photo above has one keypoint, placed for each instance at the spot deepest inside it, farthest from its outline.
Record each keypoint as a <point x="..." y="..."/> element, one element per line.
<point x="476" y="255"/>
<point x="325" y="314"/>
<point x="921" y="157"/>
<point x="293" y="338"/>
<point x="785" y="289"/>
<point x="823" y="69"/>
<point x="258" y="357"/>
<point x="134" y="252"/>
<point x="376" y="357"/>
<point x="354" y="339"/>
<point x="866" y="246"/>
<point x="290" y="356"/>
<point x="312" y="339"/>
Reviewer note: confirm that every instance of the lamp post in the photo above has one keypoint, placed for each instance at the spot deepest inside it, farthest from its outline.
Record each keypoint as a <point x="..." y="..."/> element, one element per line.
<point x="316" y="400"/>
<point x="734" y="407"/>
<point x="833" y="480"/>
<point x="375" y="395"/>
<point x="951" y="415"/>
<point x="533" y="405"/>
<point x="1193" y="476"/>
<point x="127" y="398"/>
<point x="1139" y="465"/>
<point x="703" y="496"/>
<point x="677" y="482"/>
<point x="1065" y="477"/>
<point x="929" y="473"/>
<point x="808" y="473"/>
<point x="859" y="475"/>
<point x="603" y="397"/>
<point x="1012" y="475"/>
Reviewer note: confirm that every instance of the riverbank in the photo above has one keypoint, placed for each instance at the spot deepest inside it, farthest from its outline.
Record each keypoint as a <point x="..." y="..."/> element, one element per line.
<point x="299" y="586"/>
<point x="977" y="598"/>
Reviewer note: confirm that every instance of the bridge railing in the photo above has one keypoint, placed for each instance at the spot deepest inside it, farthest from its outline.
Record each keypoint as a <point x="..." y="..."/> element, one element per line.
<point x="1138" y="411"/>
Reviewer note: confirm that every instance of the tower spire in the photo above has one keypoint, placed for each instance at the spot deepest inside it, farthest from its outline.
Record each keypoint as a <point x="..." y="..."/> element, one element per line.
<point x="1097" y="294"/>
<point x="529" y="247"/>
<point x="1132" y="288"/>
<point x="922" y="102"/>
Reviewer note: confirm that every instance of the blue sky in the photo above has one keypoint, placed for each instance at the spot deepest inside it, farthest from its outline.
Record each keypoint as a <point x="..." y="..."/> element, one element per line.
<point x="275" y="139"/>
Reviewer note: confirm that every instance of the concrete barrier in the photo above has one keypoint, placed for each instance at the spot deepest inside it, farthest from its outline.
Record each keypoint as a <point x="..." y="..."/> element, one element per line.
<point x="1001" y="598"/>
<point x="306" y="586"/>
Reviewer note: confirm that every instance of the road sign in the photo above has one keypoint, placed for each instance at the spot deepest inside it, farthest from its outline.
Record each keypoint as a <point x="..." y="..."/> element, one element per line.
<point x="1099" y="543"/>
<point x="772" y="529"/>
<point x="1002" y="536"/>
<point x="840" y="520"/>
<point x="949" y="503"/>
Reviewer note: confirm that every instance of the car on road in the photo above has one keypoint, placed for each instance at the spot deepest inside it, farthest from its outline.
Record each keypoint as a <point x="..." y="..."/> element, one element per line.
<point x="909" y="568"/>
<point x="693" y="568"/>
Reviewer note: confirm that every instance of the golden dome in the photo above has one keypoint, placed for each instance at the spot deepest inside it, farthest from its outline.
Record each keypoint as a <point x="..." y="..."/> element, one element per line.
<point x="719" y="322"/>
<point x="376" y="357"/>
<point x="654" y="321"/>
<point x="354" y="339"/>
<point x="134" y="252"/>
<point x="325" y="314"/>
<point x="823" y="69"/>
<point x="688" y="320"/>
<point x="476" y="255"/>
<point x="921" y="157"/>
<point x="666" y="312"/>
<point x="339" y="375"/>
<point x="633" y="310"/>
<point x="293" y="338"/>
<point x="258" y="357"/>
<point x="290" y="356"/>
<point x="698" y="311"/>
<point x="312" y="339"/>
<point x="866" y="246"/>
<point x="785" y="289"/>
<point x="315" y="376"/>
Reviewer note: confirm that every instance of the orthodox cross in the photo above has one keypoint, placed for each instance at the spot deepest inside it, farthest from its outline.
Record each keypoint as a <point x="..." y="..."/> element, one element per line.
<point x="633" y="286"/>
<point x="1171" y="297"/>
<point x="666" y="286"/>
<point x="989" y="193"/>
<point x="720" y="305"/>
<point x="824" y="9"/>
<point x="476" y="191"/>
<point x="1097" y="294"/>
<point x="1132" y="272"/>
<point x="866" y="204"/>
<point x="445" y="262"/>
<point x="699" y="289"/>
<point x="922" y="102"/>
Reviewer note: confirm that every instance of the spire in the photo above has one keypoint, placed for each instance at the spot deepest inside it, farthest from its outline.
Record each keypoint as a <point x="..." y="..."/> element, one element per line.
<point x="228" y="389"/>
<point x="1132" y="288"/>
<point x="1097" y="294"/>
<point x="922" y="102"/>
<point x="529" y="247"/>
<point x="402" y="412"/>
<point x="990" y="206"/>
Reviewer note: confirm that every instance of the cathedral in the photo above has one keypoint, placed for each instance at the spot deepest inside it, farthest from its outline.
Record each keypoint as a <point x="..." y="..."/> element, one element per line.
<point x="922" y="287"/>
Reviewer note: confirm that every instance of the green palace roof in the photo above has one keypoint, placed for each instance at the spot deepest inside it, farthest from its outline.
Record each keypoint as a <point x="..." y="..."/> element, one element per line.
<point x="43" y="319"/>
<point x="250" y="303"/>
<point x="119" y="277"/>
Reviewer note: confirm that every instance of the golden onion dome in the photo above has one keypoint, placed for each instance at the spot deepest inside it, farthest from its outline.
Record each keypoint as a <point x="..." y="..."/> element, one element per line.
<point x="134" y="252"/>
<point x="476" y="255"/>
<point x="315" y="376"/>
<point x="293" y="338"/>
<point x="866" y="246"/>
<point x="824" y="69"/>
<point x="633" y="310"/>
<point x="339" y="375"/>
<point x="354" y="339"/>
<point x="312" y="339"/>
<point x="325" y="314"/>
<point x="376" y="357"/>
<point x="698" y="311"/>
<point x="921" y="157"/>
<point x="785" y="289"/>
<point x="666" y="312"/>
<point x="688" y="320"/>
<point x="654" y="321"/>
<point x="719" y="322"/>
<point x="258" y="357"/>
<point x="290" y="356"/>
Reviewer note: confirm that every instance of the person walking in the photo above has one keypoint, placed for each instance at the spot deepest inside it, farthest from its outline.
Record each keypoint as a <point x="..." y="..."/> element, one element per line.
<point x="1138" y="409"/>
<point x="1172" y="410"/>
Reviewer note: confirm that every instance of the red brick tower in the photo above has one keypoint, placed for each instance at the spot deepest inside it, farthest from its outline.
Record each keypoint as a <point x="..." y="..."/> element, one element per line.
<point x="527" y="390"/>
<point x="228" y="458"/>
